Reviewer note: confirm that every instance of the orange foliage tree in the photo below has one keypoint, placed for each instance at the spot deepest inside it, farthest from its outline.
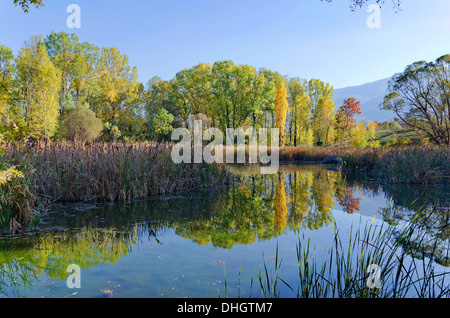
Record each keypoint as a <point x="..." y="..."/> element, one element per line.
<point x="345" y="116"/>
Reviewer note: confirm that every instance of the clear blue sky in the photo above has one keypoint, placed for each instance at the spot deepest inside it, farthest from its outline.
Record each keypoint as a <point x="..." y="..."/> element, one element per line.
<point x="304" y="38"/>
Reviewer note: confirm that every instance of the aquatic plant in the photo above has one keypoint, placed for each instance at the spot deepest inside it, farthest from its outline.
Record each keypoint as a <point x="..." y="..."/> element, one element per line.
<point x="375" y="262"/>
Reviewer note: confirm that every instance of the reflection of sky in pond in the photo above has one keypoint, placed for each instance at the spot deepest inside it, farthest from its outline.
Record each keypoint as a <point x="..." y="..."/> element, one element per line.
<point x="182" y="246"/>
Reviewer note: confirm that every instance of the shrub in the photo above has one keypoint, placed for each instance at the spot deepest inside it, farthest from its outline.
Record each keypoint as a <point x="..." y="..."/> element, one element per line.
<point x="16" y="199"/>
<point x="75" y="171"/>
<point x="80" y="124"/>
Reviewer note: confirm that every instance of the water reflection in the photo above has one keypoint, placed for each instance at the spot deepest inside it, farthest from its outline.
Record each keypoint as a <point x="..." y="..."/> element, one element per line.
<point x="251" y="208"/>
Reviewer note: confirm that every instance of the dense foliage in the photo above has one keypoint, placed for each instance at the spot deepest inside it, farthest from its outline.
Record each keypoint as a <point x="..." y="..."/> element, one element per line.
<point x="53" y="76"/>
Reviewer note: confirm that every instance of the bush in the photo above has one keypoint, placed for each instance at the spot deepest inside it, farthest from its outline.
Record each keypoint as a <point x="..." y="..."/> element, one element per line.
<point x="80" y="124"/>
<point x="16" y="199"/>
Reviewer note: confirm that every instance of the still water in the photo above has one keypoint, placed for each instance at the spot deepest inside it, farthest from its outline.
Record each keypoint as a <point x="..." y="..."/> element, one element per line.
<point x="207" y="243"/>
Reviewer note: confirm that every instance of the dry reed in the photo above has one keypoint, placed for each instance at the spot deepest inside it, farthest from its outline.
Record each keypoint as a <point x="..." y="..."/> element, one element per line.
<point x="68" y="171"/>
<point x="410" y="164"/>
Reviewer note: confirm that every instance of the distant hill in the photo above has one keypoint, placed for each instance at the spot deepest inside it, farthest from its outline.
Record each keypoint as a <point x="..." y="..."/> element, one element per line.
<point x="370" y="95"/>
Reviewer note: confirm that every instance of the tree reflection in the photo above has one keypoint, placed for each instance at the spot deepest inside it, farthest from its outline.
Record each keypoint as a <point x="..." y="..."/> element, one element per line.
<point x="348" y="202"/>
<point x="281" y="209"/>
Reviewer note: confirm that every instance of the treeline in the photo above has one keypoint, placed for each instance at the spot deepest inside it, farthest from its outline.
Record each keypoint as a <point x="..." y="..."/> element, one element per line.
<point x="225" y="95"/>
<point x="60" y="88"/>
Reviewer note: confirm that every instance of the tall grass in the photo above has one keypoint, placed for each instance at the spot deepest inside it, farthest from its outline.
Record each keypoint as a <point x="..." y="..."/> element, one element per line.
<point x="73" y="172"/>
<point x="310" y="154"/>
<point x="417" y="165"/>
<point x="410" y="164"/>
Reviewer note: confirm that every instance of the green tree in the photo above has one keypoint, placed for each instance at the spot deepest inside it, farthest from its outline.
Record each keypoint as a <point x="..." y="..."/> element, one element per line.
<point x="80" y="124"/>
<point x="163" y="94"/>
<point x="118" y="88"/>
<point x="271" y="79"/>
<point x="192" y="91"/>
<point x="237" y="94"/>
<point x="162" y="123"/>
<point x="224" y="92"/>
<point x="10" y="116"/>
<point x="299" y="119"/>
<point x="25" y="4"/>
<point x="77" y="63"/>
<point x="420" y="97"/>
<point x="322" y="111"/>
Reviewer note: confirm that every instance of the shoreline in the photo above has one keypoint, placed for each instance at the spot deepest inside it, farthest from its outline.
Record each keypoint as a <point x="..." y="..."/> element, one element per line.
<point x="123" y="172"/>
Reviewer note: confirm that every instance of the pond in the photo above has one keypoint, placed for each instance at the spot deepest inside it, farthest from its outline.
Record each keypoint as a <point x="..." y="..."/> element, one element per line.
<point x="208" y="243"/>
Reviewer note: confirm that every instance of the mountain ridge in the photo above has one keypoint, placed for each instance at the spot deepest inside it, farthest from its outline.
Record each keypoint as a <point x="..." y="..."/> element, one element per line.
<point x="371" y="95"/>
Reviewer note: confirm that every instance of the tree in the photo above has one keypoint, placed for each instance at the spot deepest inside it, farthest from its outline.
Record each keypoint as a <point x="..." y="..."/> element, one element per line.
<point x="359" y="136"/>
<point x="25" y="4"/>
<point x="6" y="72"/>
<point x="372" y="127"/>
<point x="262" y="108"/>
<point x="299" y="119"/>
<point x="77" y="62"/>
<point x="38" y="81"/>
<point x="225" y="94"/>
<point x="9" y="113"/>
<point x="323" y="121"/>
<point x="347" y="112"/>
<point x="118" y="87"/>
<point x="162" y="123"/>
<point x="345" y="117"/>
<point x="192" y="89"/>
<point x="161" y="94"/>
<point x="322" y="107"/>
<point x="281" y="110"/>
<point x="420" y="97"/>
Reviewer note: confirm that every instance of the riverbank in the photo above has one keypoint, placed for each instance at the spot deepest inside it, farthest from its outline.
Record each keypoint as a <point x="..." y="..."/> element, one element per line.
<point x="404" y="165"/>
<point x="94" y="172"/>
<point x="192" y="239"/>
<point x="43" y="173"/>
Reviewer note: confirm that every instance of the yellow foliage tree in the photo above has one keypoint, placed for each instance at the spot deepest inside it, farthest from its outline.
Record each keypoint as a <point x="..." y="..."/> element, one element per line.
<point x="281" y="110"/>
<point x="359" y="135"/>
<point x="372" y="128"/>
<point x="40" y="82"/>
<point x="118" y="85"/>
<point x="280" y="204"/>
<point x="371" y="132"/>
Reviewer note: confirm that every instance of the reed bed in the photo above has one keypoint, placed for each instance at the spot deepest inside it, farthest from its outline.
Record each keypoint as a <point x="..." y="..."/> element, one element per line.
<point x="428" y="164"/>
<point x="101" y="172"/>
<point x="310" y="154"/>
<point x="416" y="165"/>
<point x="410" y="164"/>
<point x="373" y="262"/>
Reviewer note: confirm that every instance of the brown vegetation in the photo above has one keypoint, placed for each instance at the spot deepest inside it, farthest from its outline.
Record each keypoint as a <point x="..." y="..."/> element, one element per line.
<point x="102" y="172"/>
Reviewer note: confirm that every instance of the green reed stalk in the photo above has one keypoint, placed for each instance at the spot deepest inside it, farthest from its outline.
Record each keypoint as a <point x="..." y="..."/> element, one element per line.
<point x="351" y="271"/>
